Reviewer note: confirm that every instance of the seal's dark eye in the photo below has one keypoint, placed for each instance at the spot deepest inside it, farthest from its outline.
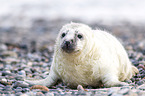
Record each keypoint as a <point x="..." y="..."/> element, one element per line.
<point x="80" y="36"/>
<point x="63" y="34"/>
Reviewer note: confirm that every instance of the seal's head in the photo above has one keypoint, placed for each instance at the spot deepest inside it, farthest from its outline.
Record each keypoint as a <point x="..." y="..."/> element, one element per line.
<point x="72" y="37"/>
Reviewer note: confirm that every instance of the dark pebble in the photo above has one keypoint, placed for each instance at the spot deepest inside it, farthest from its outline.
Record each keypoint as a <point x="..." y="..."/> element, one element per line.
<point x="142" y="75"/>
<point x="132" y="79"/>
<point x="140" y="82"/>
<point x="7" y="73"/>
<point x="5" y="83"/>
<point x="137" y="79"/>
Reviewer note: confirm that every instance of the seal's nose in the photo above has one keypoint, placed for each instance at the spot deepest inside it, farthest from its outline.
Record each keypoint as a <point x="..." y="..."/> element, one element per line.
<point x="67" y="43"/>
<point x="68" y="46"/>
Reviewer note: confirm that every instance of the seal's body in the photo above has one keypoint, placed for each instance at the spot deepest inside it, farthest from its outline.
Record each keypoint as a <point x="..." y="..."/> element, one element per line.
<point x="83" y="56"/>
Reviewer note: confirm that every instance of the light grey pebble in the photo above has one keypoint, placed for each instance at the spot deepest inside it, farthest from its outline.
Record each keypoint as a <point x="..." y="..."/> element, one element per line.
<point x="124" y="91"/>
<point x="128" y="81"/>
<point x="39" y="94"/>
<point x="111" y="91"/>
<point x="116" y="94"/>
<point x="132" y="84"/>
<point x="18" y="94"/>
<point x="2" y="86"/>
<point x="22" y="73"/>
<point x="9" y="54"/>
<point x="26" y="90"/>
<point x="18" y="89"/>
<point x="20" y="78"/>
<point x="142" y="88"/>
<point x="52" y="94"/>
<point x="20" y="84"/>
<point x="3" y="47"/>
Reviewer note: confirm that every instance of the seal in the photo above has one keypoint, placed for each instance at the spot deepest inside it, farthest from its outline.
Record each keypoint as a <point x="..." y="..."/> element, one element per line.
<point x="83" y="56"/>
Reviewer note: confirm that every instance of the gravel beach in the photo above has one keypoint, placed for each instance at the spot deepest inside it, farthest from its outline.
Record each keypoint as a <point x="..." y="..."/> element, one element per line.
<point x="27" y="53"/>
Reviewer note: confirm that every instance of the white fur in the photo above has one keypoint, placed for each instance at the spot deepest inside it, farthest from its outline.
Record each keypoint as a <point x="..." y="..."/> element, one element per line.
<point x="98" y="57"/>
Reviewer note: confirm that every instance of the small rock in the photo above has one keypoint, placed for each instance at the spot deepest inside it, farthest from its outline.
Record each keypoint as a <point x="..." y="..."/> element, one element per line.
<point x="20" y="84"/>
<point x="4" y="73"/>
<point x="8" y="88"/>
<point x="20" y="78"/>
<point x="112" y="90"/>
<point x="5" y="82"/>
<point x="5" y="92"/>
<point x="140" y="82"/>
<point x="18" y="94"/>
<point x="80" y="88"/>
<point x="9" y="54"/>
<point x="2" y="86"/>
<point x="43" y="88"/>
<point x="52" y="94"/>
<point x="18" y="89"/>
<point x="141" y="66"/>
<point x="128" y="81"/>
<point x="142" y="44"/>
<point x="132" y="84"/>
<point x="39" y="94"/>
<point x="124" y="91"/>
<point x="22" y="73"/>
<point x="25" y="90"/>
<point x="3" y="47"/>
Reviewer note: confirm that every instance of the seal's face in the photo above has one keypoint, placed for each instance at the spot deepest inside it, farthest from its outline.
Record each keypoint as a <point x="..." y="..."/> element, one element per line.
<point x="71" y="40"/>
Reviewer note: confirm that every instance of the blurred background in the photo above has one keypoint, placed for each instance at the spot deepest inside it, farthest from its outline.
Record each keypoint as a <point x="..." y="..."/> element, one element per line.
<point x="25" y="21"/>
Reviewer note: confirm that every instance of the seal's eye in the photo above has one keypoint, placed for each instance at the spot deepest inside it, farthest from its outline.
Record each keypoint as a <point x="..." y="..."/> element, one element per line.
<point x="80" y="36"/>
<point x="63" y="34"/>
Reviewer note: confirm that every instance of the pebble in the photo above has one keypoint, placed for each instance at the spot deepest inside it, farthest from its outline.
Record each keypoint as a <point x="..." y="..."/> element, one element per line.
<point x="8" y="88"/>
<point x="142" y="88"/>
<point x="2" y="86"/>
<point x="18" y="89"/>
<point x="124" y="91"/>
<point x="3" y="47"/>
<point x="39" y="94"/>
<point x="9" y="54"/>
<point x="25" y="90"/>
<point x="140" y="82"/>
<point x="5" y="80"/>
<point x="111" y="91"/>
<point x="18" y="94"/>
<point x="20" y="84"/>
<point x="22" y="73"/>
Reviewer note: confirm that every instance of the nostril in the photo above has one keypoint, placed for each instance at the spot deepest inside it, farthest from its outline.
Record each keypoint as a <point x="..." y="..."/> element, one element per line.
<point x="72" y="40"/>
<point x="67" y="42"/>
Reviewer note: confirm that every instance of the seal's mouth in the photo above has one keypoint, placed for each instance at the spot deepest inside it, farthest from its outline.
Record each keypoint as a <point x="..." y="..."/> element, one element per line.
<point x="68" y="46"/>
